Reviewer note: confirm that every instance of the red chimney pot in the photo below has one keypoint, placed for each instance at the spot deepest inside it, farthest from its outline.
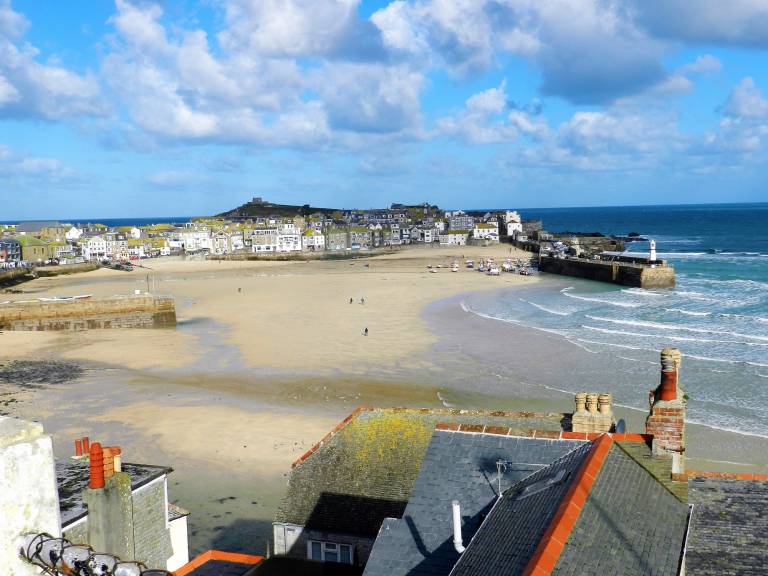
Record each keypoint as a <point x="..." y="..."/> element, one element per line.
<point x="78" y="447"/>
<point x="97" y="466"/>
<point x="668" y="386"/>
<point x="86" y="445"/>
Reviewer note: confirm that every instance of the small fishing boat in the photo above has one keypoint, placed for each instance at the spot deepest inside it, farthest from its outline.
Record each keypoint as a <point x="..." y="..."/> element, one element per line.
<point x="470" y="263"/>
<point x="455" y="269"/>
<point x="494" y="271"/>
<point x="66" y="298"/>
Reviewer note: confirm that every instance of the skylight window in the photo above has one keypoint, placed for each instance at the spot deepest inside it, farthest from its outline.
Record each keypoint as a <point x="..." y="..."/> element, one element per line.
<point x="541" y="485"/>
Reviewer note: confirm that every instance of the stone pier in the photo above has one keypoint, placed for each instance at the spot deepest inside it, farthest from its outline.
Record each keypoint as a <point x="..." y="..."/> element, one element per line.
<point x="75" y="315"/>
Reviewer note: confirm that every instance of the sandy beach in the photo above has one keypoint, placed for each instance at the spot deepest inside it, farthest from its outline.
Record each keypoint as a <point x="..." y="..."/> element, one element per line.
<point x="269" y="356"/>
<point x="280" y="315"/>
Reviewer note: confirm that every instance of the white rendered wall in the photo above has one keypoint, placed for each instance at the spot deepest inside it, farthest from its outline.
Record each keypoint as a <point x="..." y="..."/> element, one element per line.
<point x="29" y="500"/>
<point x="179" y="544"/>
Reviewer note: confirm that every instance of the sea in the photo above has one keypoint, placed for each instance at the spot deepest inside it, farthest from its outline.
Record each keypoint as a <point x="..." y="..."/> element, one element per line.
<point x="717" y="314"/>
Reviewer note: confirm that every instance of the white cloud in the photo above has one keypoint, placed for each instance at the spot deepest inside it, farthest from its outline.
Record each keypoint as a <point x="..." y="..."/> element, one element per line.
<point x="747" y="101"/>
<point x="19" y="168"/>
<point x="575" y="43"/>
<point x="705" y="65"/>
<point x="29" y="88"/>
<point x="487" y="118"/>
<point x="287" y="27"/>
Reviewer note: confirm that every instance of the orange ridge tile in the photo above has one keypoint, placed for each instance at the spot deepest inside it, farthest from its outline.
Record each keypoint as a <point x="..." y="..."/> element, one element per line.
<point x="553" y="541"/>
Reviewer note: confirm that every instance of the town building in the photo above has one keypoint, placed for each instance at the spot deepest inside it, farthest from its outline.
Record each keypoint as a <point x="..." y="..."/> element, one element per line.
<point x="94" y="248"/>
<point x="264" y="240"/>
<point x="458" y="220"/>
<point x="10" y="250"/>
<point x="313" y="240"/>
<point x="454" y="237"/>
<point x="34" y="250"/>
<point x="486" y="231"/>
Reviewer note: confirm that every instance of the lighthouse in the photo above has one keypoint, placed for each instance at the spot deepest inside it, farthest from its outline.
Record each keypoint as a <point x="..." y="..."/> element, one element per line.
<point x="652" y="245"/>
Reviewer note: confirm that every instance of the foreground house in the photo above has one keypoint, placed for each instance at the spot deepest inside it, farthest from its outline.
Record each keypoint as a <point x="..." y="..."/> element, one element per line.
<point x="98" y="504"/>
<point x="395" y="492"/>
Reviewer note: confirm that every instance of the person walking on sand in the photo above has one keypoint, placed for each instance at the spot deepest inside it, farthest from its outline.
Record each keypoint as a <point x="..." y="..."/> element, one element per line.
<point x="362" y="301"/>
<point x="366" y="331"/>
<point x="350" y="300"/>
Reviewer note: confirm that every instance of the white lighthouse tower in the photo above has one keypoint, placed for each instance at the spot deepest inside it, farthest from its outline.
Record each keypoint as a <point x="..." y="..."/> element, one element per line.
<point x="652" y="245"/>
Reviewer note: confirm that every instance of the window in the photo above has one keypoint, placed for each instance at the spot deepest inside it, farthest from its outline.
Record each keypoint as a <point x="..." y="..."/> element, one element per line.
<point x="329" y="552"/>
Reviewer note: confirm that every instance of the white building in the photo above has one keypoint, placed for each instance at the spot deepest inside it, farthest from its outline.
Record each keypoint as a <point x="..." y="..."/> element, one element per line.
<point x="513" y="223"/>
<point x="290" y="242"/>
<point x="264" y="240"/>
<point x="135" y="233"/>
<point x="313" y="240"/>
<point x="95" y="248"/>
<point x="192" y="240"/>
<point x="488" y="231"/>
<point x="73" y="234"/>
<point x="454" y="238"/>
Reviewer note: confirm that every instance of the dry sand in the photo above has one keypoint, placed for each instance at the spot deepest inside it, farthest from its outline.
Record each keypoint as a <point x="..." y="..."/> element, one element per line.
<point x="288" y="316"/>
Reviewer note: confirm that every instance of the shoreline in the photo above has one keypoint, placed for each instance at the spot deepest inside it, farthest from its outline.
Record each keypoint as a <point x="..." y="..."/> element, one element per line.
<point x="706" y="443"/>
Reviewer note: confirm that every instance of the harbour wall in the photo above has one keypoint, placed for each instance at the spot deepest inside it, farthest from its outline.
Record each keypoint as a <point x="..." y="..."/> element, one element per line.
<point x="15" y="275"/>
<point x="77" y="315"/>
<point x="63" y="269"/>
<point x="625" y="274"/>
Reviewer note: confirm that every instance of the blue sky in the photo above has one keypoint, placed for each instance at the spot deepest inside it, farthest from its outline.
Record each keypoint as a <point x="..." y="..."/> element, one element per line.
<point x="140" y="108"/>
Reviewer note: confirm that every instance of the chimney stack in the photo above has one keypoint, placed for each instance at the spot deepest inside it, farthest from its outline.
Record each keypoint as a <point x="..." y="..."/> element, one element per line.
<point x="666" y="421"/>
<point x="78" y="448"/>
<point x="110" y="504"/>
<point x="593" y="413"/>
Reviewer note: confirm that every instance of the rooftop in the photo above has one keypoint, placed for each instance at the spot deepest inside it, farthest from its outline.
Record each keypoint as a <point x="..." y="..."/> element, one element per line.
<point x="568" y="506"/>
<point x="216" y="563"/>
<point x="729" y="526"/>
<point x="460" y="466"/>
<point x="72" y="478"/>
<point x="363" y="471"/>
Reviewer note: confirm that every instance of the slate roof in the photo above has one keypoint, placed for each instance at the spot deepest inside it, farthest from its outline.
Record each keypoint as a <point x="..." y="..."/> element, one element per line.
<point x="630" y="525"/>
<point x="508" y="538"/>
<point x="459" y="466"/>
<point x="729" y="527"/>
<point x="72" y="478"/>
<point x="364" y="472"/>
<point x="30" y="227"/>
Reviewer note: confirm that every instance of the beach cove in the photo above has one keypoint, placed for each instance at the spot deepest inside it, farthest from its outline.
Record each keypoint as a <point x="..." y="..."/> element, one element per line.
<point x="269" y="356"/>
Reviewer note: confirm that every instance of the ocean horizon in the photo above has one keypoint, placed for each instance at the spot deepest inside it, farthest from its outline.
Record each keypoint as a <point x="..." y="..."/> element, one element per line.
<point x="556" y="214"/>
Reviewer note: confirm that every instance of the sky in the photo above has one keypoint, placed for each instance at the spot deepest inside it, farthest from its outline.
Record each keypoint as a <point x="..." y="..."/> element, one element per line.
<point x="132" y="108"/>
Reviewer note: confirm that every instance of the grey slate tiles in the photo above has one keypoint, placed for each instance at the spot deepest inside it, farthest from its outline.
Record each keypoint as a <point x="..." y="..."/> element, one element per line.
<point x="509" y="537"/>
<point x="457" y="466"/>
<point x="729" y="528"/>
<point x="631" y="525"/>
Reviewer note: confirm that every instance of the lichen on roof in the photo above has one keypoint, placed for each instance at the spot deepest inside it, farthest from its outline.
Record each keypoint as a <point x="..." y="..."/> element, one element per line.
<point x="365" y="472"/>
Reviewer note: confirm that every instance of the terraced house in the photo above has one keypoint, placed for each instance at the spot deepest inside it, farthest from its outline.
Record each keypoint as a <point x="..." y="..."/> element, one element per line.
<point x="395" y="492"/>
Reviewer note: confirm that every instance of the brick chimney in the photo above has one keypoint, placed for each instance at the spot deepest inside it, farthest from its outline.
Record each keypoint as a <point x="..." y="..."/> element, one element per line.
<point x="110" y="505"/>
<point x="666" y="421"/>
<point x="593" y="413"/>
